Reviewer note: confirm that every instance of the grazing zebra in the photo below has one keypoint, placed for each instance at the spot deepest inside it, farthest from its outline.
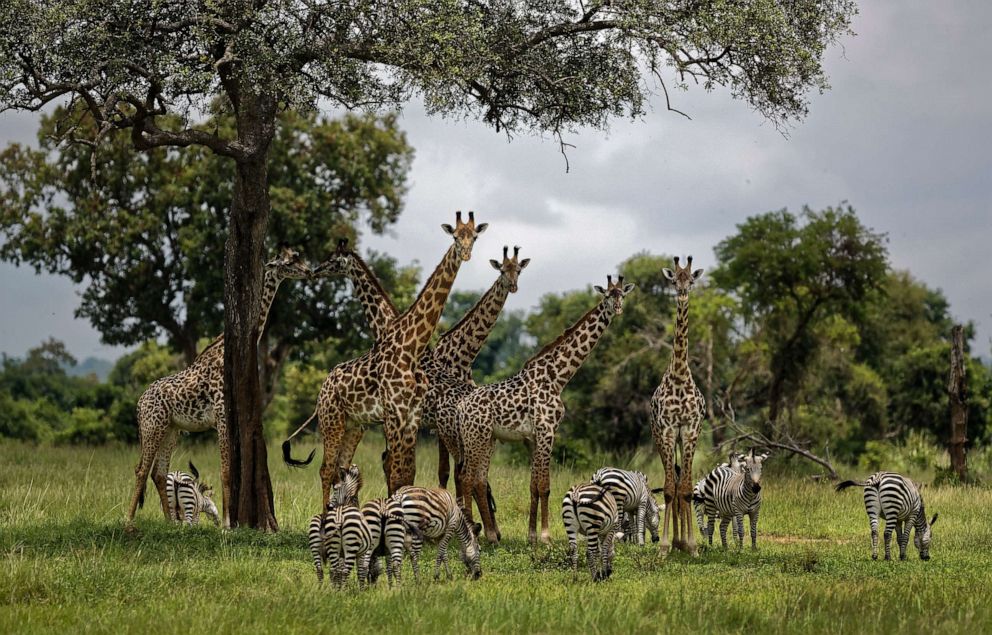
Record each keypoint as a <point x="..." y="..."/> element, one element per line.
<point x="437" y="516"/>
<point x="188" y="497"/>
<point x="736" y="495"/>
<point x="591" y="510"/>
<point x="388" y="528"/>
<point x="652" y="520"/>
<point x="702" y="495"/>
<point x="633" y="497"/>
<point x="897" y="501"/>
<point x="340" y="537"/>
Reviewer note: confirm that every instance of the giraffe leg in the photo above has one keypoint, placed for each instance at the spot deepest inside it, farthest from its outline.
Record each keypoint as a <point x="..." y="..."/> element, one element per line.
<point x="664" y="441"/>
<point x="479" y="478"/>
<point x="690" y="437"/>
<point x="160" y="469"/>
<point x="224" y="445"/>
<point x="349" y="443"/>
<point x="443" y="465"/>
<point x="400" y="428"/>
<point x="541" y="471"/>
<point x="331" y="421"/>
<point x="153" y="424"/>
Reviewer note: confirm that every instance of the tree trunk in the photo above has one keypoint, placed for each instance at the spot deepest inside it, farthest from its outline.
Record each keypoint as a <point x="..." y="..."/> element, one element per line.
<point x="957" y="390"/>
<point x="251" y="488"/>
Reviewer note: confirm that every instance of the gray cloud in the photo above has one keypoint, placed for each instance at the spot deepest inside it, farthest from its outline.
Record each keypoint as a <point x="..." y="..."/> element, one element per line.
<point x="902" y="135"/>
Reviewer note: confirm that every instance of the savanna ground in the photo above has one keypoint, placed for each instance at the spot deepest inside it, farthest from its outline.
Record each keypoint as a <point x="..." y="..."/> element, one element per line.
<point x="68" y="565"/>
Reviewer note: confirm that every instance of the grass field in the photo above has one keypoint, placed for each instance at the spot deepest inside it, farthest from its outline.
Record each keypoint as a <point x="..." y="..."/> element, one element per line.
<point x="68" y="565"/>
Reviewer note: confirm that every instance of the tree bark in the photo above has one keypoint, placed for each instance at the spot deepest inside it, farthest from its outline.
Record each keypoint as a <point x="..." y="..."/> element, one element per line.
<point x="957" y="390"/>
<point x="251" y="487"/>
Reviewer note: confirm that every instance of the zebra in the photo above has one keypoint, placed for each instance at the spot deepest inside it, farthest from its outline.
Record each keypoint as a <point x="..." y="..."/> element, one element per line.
<point x="702" y="494"/>
<point x="345" y="491"/>
<point x="634" y="499"/>
<point x="188" y="497"/>
<point x="388" y="527"/>
<point x="897" y="501"/>
<point x="736" y="495"/>
<point x="591" y="510"/>
<point x="341" y="538"/>
<point x="652" y="520"/>
<point x="437" y="516"/>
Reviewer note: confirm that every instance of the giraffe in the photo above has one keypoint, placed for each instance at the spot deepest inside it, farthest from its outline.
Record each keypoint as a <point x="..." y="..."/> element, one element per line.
<point x="449" y="363"/>
<point x="386" y="384"/>
<point x="528" y="407"/>
<point x="677" y="408"/>
<point x="192" y="400"/>
<point x="376" y="303"/>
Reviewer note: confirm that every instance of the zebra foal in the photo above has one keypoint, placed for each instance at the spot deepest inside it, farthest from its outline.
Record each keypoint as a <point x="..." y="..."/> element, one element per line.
<point x="735" y="494"/>
<point x="896" y="500"/>
<point x="340" y="538"/>
<point x="591" y="510"/>
<point x="188" y="497"/>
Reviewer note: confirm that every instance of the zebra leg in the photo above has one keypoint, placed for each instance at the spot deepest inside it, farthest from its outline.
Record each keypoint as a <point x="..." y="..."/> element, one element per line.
<point x="442" y="555"/>
<point x="642" y="511"/>
<point x="888" y="539"/>
<point x="416" y="546"/>
<point x="363" y="570"/>
<point x="753" y="514"/>
<point x="710" y="528"/>
<point x="723" y="531"/>
<point x="873" y="520"/>
<point x="902" y="536"/>
<point x="608" y="551"/>
<point x="592" y="556"/>
<point x="739" y="521"/>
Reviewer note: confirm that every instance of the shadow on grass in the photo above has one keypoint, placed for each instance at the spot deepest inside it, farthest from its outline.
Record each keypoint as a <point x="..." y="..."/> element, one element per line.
<point x="150" y="540"/>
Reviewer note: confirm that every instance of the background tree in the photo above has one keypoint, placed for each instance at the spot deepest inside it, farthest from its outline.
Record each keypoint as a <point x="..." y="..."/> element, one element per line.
<point x="544" y="66"/>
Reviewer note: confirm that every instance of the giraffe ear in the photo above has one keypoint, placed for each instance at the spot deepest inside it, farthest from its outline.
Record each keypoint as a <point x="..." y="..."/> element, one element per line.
<point x="448" y="229"/>
<point x="696" y="274"/>
<point x="481" y="228"/>
<point x="669" y="274"/>
<point x="524" y="263"/>
<point x="496" y="265"/>
<point x="600" y="290"/>
<point x="627" y="288"/>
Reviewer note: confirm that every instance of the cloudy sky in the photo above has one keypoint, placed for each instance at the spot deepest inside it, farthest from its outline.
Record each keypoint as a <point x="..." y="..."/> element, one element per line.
<point x="903" y="135"/>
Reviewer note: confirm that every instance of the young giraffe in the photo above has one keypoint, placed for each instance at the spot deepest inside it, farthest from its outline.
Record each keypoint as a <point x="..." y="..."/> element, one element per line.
<point x="449" y="364"/>
<point x="528" y="407"/>
<point x="386" y="383"/>
<point x="193" y="400"/>
<point x="677" y="407"/>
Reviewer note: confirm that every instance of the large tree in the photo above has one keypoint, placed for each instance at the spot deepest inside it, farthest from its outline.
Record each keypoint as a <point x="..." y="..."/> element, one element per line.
<point x="546" y="66"/>
<point x="141" y="232"/>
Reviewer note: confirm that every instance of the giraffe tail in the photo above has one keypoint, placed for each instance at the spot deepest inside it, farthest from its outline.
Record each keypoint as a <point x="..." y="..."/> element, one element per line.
<point x="287" y="456"/>
<point x="846" y="484"/>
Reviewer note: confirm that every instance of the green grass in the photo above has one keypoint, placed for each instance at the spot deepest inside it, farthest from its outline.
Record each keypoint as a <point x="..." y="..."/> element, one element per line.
<point x="67" y="563"/>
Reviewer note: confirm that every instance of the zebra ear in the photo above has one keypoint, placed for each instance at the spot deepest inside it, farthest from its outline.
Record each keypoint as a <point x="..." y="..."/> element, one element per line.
<point x="195" y="472"/>
<point x="476" y="529"/>
<point x="934" y="519"/>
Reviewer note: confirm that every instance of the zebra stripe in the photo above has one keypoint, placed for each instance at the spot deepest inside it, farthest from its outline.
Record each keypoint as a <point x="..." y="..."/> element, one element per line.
<point x="340" y="538"/>
<point x="633" y="497"/>
<point x="436" y="515"/>
<point x="590" y="510"/>
<point x="702" y="495"/>
<point x="896" y="500"/>
<point x="736" y="494"/>
<point x="384" y="516"/>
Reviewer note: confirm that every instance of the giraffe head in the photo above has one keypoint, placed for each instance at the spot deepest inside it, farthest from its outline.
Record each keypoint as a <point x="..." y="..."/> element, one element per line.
<point x="614" y="293"/>
<point x="337" y="264"/>
<point x="510" y="267"/>
<point x="465" y="234"/>
<point x="683" y="277"/>
<point x="288" y="264"/>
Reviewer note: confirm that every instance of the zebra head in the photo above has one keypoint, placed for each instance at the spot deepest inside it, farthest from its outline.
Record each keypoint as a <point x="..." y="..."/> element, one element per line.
<point x="207" y="505"/>
<point x="346" y="489"/>
<point x="470" y="551"/>
<point x="752" y="468"/>
<point x="922" y="542"/>
<point x="653" y="518"/>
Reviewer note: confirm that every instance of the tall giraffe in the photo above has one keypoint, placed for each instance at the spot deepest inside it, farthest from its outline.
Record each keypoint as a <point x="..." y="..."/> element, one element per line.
<point x="193" y="400"/>
<point x="449" y="364"/>
<point x="386" y="384"/>
<point x="677" y="407"/>
<point x="528" y="407"/>
<point x="376" y="303"/>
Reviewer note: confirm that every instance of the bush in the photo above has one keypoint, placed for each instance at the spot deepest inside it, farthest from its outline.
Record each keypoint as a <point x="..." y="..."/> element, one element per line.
<point x="918" y="452"/>
<point x="87" y="426"/>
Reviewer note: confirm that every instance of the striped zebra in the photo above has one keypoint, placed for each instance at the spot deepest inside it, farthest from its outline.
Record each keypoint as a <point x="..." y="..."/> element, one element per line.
<point x="188" y="497"/>
<point x="702" y="494"/>
<point x="652" y="520"/>
<point x="438" y="517"/>
<point x="591" y="510"/>
<point x="340" y="538"/>
<point x="388" y="527"/>
<point x="345" y="491"/>
<point x="736" y="495"/>
<point x="634" y="500"/>
<point x="896" y="500"/>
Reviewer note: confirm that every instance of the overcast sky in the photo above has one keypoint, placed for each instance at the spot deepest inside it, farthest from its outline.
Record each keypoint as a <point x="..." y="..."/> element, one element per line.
<point x="904" y="135"/>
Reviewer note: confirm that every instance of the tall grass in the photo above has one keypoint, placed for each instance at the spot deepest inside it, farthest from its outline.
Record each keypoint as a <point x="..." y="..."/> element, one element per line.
<point x="68" y="564"/>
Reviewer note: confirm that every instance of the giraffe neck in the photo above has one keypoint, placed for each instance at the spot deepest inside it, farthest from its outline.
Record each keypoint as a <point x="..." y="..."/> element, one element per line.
<point x="414" y="328"/>
<point x="378" y="306"/>
<point x="457" y="349"/>
<point x="563" y="357"/>
<point x="680" y="347"/>
<point x="269" y="288"/>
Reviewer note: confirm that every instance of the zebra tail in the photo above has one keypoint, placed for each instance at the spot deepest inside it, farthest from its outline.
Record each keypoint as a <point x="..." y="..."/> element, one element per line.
<point x="414" y="530"/>
<point x="287" y="456"/>
<point x="591" y="501"/>
<point x="844" y="485"/>
<point x="195" y="472"/>
<point x="141" y="495"/>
